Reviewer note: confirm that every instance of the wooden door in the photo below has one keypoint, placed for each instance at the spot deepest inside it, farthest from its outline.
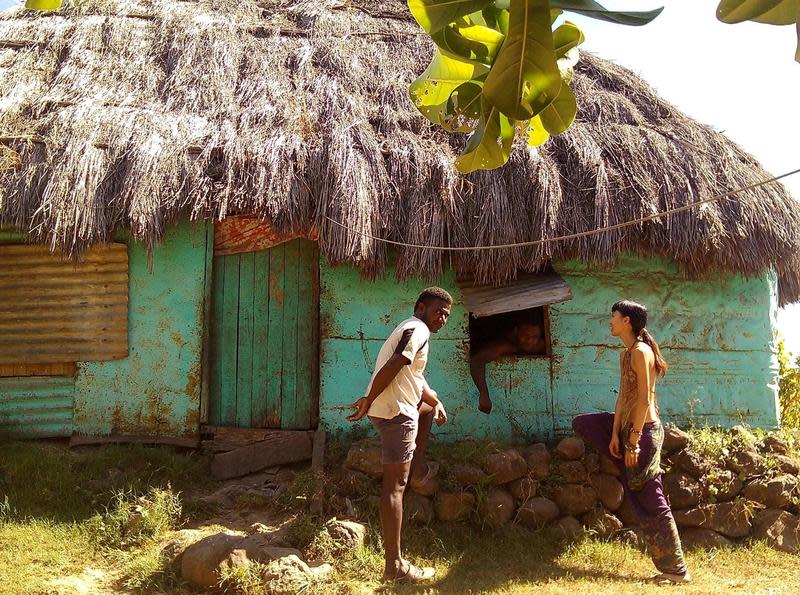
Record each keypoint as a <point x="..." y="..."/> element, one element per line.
<point x="265" y="338"/>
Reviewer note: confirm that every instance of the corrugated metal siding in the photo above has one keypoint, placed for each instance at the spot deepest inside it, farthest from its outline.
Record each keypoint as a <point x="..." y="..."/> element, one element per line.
<point x="530" y="291"/>
<point x="57" y="311"/>
<point x="36" y="407"/>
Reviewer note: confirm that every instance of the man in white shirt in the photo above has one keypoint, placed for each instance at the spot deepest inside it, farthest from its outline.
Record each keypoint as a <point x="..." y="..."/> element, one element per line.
<point x="402" y="407"/>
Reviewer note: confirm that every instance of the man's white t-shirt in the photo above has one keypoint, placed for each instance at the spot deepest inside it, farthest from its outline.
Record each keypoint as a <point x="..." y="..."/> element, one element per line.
<point x="404" y="392"/>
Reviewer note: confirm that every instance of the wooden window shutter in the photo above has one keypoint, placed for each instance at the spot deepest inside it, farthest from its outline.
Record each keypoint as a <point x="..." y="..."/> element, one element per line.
<point x="529" y="291"/>
<point x="58" y="311"/>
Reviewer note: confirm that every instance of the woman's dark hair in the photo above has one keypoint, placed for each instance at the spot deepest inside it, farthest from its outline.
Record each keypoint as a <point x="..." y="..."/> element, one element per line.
<point x="637" y="314"/>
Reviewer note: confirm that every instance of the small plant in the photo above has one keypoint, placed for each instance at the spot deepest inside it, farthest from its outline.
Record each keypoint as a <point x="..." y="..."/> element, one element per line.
<point x="789" y="388"/>
<point x="7" y="511"/>
<point x="243" y="580"/>
<point x="131" y="521"/>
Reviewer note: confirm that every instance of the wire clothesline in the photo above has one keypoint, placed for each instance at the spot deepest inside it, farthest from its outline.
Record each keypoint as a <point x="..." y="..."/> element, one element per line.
<point x="572" y="236"/>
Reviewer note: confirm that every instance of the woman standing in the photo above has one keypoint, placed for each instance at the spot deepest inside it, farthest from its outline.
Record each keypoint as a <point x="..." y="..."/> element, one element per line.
<point x="633" y="436"/>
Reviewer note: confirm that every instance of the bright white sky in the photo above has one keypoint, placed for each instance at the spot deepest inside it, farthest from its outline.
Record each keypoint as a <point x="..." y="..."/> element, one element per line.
<point x="741" y="79"/>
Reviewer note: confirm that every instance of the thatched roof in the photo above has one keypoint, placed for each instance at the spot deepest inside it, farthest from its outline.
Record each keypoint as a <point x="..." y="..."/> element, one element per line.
<point x="138" y="113"/>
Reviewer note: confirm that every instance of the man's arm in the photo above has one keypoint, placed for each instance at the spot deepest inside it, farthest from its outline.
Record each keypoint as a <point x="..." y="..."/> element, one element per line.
<point x="614" y="446"/>
<point x="477" y="367"/>
<point x="382" y="379"/>
<point x="431" y="398"/>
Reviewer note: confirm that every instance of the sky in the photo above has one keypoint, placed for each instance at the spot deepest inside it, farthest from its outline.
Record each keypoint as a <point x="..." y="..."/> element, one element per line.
<point x="740" y="79"/>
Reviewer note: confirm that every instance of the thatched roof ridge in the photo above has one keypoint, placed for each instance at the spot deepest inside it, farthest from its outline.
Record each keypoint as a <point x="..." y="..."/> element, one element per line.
<point x="132" y="114"/>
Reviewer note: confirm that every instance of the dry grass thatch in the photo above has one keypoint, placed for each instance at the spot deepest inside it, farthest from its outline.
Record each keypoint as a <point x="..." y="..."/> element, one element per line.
<point x="131" y="114"/>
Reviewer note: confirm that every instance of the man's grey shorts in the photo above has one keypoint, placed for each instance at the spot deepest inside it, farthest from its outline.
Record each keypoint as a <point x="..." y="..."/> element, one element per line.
<point x="398" y="438"/>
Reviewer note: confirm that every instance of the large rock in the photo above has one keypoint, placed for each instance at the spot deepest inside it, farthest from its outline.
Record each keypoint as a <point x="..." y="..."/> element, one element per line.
<point x="722" y="485"/>
<point x="537" y="512"/>
<point x="523" y="488"/>
<point x="775" y="445"/>
<point x="700" y="538"/>
<point x="775" y="492"/>
<point x="538" y="459"/>
<point x="498" y="508"/>
<point x="692" y="463"/>
<point x="289" y="575"/>
<point x="609" y="467"/>
<point x="202" y="562"/>
<point x="787" y="464"/>
<point x="365" y="456"/>
<point x="568" y="527"/>
<point x="592" y="462"/>
<point x="609" y="490"/>
<point x="601" y="522"/>
<point x="732" y="519"/>
<point x="467" y="474"/>
<point x="747" y="463"/>
<point x="418" y="509"/>
<point x="505" y="466"/>
<point x="674" y="439"/>
<point x="571" y="472"/>
<point x="779" y="528"/>
<point x="627" y="514"/>
<point x="347" y="535"/>
<point x="570" y="449"/>
<point x="574" y="500"/>
<point x="454" y="506"/>
<point x="180" y="542"/>
<point x="682" y="490"/>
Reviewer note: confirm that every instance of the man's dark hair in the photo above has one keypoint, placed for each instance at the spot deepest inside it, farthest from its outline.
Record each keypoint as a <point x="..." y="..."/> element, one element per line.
<point x="433" y="293"/>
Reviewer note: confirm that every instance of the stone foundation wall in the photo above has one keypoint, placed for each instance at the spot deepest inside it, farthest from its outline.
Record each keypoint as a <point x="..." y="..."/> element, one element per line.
<point x="749" y="492"/>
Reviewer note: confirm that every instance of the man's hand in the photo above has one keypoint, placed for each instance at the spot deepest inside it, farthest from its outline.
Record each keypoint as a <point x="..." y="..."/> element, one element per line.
<point x="632" y="456"/>
<point x="439" y="414"/>
<point x="361" y="407"/>
<point x="485" y="403"/>
<point x="613" y="446"/>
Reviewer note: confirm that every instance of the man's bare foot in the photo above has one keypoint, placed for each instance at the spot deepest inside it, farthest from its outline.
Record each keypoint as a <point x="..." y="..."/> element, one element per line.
<point x="485" y="404"/>
<point x="667" y="578"/>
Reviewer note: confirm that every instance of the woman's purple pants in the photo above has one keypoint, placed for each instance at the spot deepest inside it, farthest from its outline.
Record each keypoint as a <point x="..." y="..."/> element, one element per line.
<point x="649" y="503"/>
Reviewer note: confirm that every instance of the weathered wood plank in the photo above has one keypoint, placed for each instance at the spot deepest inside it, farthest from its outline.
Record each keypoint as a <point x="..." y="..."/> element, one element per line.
<point x="275" y="340"/>
<point x="244" y="355"/>
<point x="278" y="448"/>
<point x="215" y="381"/>
<point x="259" y="416"/>
<point x="307" y="322"/>
<point x="229" y="325"/>
<point x="289" y="398"/>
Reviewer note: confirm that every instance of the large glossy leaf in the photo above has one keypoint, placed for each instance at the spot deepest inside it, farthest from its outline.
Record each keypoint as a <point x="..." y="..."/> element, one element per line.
<point x="490" y="145"/>
<point x="463" y="107"/>
<point x="773" y="12"/>
<point x="559" y="115"/>
<point x="43" y="4"/>
<point x="537" y="135"/>
<point x="596" y="10"/>
<point x="466" y="40"/>
<point x="567" y="37"/>
<point x="525" y="77"/>
<point x="435" y="15"/>
<point x="432" y="90"/>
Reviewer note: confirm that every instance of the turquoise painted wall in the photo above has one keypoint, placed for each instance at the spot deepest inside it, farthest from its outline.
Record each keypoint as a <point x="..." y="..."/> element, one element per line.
<point x="156" y="389"/>
<point x="718" y="336"/>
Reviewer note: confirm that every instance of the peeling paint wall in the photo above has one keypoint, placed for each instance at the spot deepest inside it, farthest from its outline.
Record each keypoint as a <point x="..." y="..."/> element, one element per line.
<point x="717" y="335"/>
<point x="156" y="389"/>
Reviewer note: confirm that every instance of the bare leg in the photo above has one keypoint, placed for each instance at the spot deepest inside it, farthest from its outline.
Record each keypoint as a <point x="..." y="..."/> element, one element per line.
<point x="395" y="477"/>
<point x="419" y="465"/>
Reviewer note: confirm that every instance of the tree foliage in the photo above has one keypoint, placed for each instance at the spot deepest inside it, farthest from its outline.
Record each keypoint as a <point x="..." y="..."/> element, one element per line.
<point x="789" y="388"/>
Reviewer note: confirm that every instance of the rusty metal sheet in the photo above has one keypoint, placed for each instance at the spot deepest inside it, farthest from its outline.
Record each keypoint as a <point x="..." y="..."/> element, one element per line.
<point x="530" y="291"/>
<point x="239" y="234"/>
<point x="53" y="310"/>
<point x="36" y="407"/>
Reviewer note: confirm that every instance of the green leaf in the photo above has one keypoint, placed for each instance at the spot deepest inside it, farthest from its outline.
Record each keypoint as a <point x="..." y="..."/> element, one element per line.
<point x="432" y="90"/>
<point x="525" y="77"/>
<point x="559" y="115"/>
<point x="772" y="12"/>
<point x="435" y="15"/>
<point x="43" y="4"/>
<point x="496" y="19"/>
<point x="596" y="10"/>
<point x="490" y="145"/>
<point x="537" y="135"/>
<point x="466" y="40"/>
<point x="463" y="107"/>
<point x="567" y="37"/>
